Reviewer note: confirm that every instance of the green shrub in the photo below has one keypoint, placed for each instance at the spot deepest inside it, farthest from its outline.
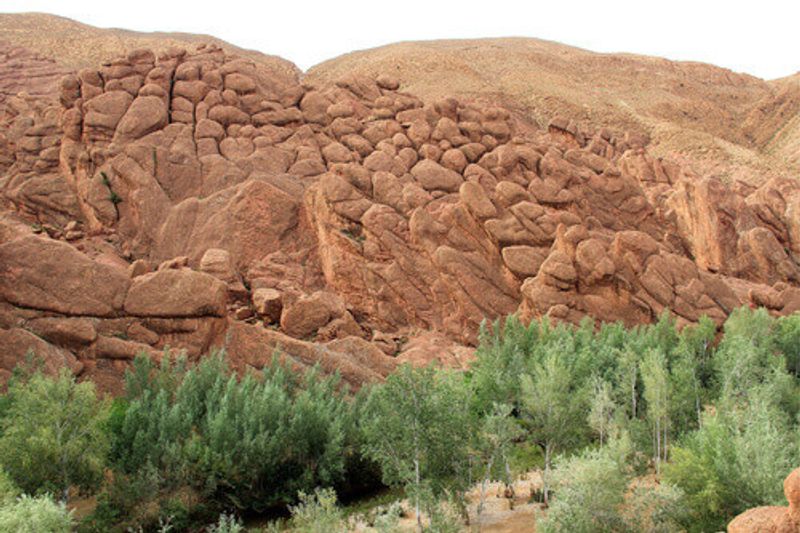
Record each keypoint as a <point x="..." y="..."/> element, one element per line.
<point x="318" y="513"/>
<point x="588" y="495"/>
<point x="388" y="520"/>
<point x="226" y="524"/>
<point x="654" y="509"/>
<point x="444" y="517"/>
<point x="735" y="461"/>
<point x="52" y="434"/>
<point x="35" y="515"/>
<point x="251" y="443"/>
<point x="8" y="491"/>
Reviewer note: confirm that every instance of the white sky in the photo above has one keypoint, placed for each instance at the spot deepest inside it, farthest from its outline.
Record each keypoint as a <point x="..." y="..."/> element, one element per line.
<point x="761" y="38"/>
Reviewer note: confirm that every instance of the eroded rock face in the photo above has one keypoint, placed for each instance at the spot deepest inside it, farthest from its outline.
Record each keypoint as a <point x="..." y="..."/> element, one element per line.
<point x="195" y="200"/>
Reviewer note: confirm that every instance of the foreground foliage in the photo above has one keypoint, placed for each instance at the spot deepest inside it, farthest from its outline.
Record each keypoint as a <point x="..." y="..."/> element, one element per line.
<point x="28" y="514"/>
<point x="634" y="429"/>
<point x="51" y="434"/>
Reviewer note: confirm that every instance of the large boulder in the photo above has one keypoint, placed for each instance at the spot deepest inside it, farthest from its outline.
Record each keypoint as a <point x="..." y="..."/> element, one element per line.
<point x="18" y="344"/>
<point x="433" y="176"/>
<point x="176" y="293"/>
<point x="309" y="313"/>
<point x="53" y="276"/>
<point x="145" y="115"/>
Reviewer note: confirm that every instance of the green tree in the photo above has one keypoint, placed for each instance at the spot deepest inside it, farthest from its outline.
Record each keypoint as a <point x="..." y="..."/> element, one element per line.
<point x="497" y="433"/>
<point x="52" y="434"/>
<point x="251" y="442"/>
<point x="657" y="394"/>
<point x="787" y="339"/>
<point x="601" y="413"/>
<point x="735" y="461"/>
<point x="417" y="428"/>
<point x="553" y="408"/>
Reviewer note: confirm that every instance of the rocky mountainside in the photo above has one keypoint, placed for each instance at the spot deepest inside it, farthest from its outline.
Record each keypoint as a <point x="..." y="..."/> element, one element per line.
<point x="730" y="125"/>
<point x="204" y="198"/>
<point x="37" y="45"/>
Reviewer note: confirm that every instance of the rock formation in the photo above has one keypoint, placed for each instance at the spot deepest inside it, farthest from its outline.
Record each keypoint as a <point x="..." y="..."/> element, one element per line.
<point x="191" y="200"/>
<point x="773" y="519"/>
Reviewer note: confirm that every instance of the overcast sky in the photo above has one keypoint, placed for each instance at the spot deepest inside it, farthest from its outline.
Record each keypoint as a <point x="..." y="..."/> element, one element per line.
<point x="761" y="38"/>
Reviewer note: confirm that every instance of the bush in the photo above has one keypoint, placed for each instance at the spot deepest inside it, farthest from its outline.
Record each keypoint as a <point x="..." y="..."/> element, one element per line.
<point x="52" y="434"/>
<point x="8" y="491"/>
<point x="654" y="509"/>
<point x="251" y="443"/>
<point x="443" y="516"/>
<point x="388" y="521"/>
<point x="318" y="513"/>
<point x="35" y="515"/>
<point x="734" y="462"/>
<point x="226" y="524"/>
<point x="589" y="493"/>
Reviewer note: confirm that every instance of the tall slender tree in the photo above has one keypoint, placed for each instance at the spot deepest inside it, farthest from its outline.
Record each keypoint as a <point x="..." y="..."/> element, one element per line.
<point x="417" y="428"/>
<point x="656" y="392"/>
<point x="553" y="408"/>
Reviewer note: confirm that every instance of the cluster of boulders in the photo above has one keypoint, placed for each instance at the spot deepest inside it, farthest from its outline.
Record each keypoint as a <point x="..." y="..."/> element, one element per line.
<point x="197" y="200"/>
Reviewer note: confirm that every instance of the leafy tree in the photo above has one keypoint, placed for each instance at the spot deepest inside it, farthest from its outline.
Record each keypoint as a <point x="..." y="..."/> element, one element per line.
<point x="687" y="395"/>
<point x="29" y="514"/>
<point x="601" y="413"/>
<point x="553" y="408"/>
<point x="735" y="461"/>
<point x="250" y="442"/>
<point x="500" y="361"/>
<point x="495" y="438"/>
<point x="657" y="394"/>
<point x="787" y="340"/>
<point x="52" y="434"/>
<point x="628" y="380"/>
<point x="417" y="428"/>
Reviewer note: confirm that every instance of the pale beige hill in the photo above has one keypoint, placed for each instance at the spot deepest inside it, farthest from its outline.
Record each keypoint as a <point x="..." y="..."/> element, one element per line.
<point x="781" y="115"/>
<point x="696" y="111"/>
<point x="74" y="45"/>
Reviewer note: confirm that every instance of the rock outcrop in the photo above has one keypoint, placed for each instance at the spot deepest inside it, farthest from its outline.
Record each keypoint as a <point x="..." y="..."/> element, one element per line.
<point x="773" y="519"/>
<point x="24" y="71"/>
<point x="194" y="200"/>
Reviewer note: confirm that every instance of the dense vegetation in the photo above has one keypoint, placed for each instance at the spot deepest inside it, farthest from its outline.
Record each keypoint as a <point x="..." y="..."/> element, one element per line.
<point x="634" y="429"/>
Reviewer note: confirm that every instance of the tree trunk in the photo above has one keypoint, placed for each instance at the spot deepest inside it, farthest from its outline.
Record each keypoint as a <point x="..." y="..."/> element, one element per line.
<point x="510" y="494"/>
<point x="416" y="496"/>
<point x="485" y="481"/>
<point x="546" y="476"/>
<point x="658" y="445"/>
